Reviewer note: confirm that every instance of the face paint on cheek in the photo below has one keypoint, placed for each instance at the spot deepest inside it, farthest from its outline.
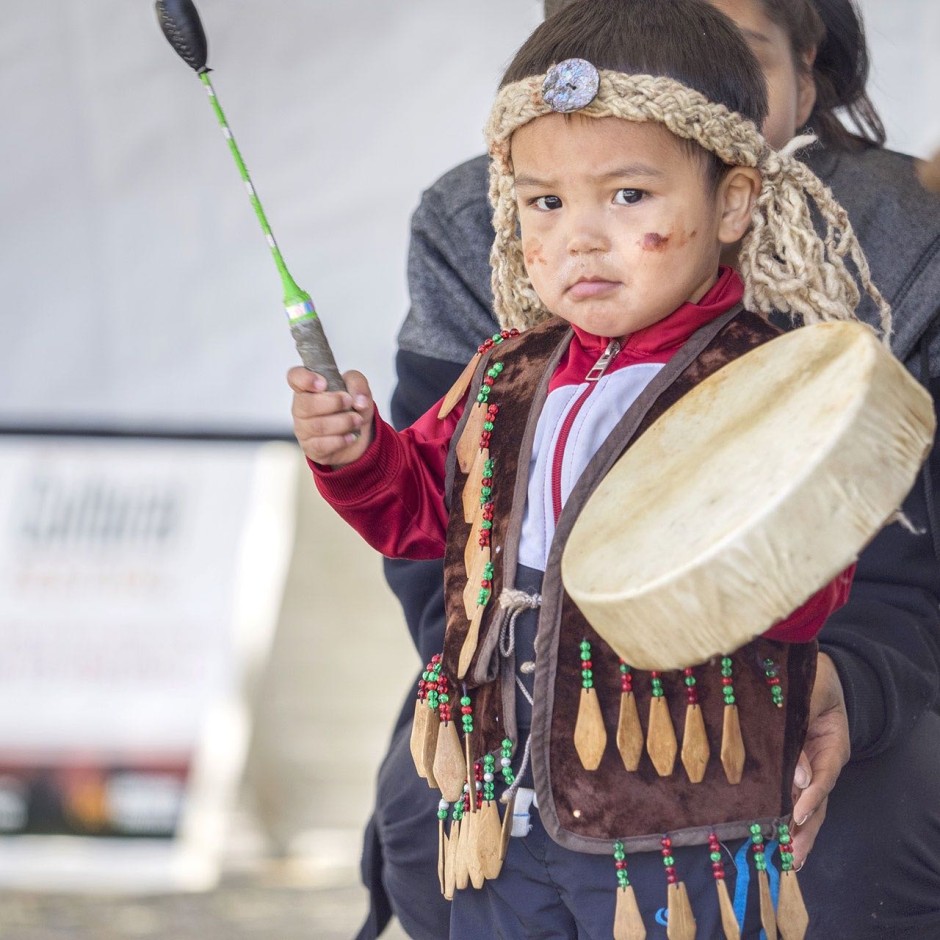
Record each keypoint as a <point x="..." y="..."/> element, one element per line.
<point x="533" y="255"/>
<point x="653" y="241"/>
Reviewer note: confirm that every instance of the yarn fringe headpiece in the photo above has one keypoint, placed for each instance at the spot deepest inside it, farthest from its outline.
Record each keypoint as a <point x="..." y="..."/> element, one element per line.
<point x="785" y="264"/>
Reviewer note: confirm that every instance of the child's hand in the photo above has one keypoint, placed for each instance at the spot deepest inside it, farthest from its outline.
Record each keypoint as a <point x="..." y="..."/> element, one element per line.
<point x="332" y="428"/>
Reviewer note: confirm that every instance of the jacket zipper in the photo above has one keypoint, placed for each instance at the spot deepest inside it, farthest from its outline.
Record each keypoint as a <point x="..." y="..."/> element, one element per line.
<point x="594" y="373"/>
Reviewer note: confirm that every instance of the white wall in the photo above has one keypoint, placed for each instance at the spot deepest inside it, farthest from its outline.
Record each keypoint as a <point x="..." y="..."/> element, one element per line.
<point x="135" y="285"/>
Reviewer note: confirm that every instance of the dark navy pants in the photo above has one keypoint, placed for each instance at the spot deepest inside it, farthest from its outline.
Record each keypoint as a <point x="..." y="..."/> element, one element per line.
<point x="874" y="874"/>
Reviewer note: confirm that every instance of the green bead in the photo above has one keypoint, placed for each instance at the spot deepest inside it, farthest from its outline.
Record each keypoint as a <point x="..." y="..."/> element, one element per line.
<point x="690" y="681"/>
<point x="715" y="856"/>
<point x="668" y="861"/>
<point x="585" y="645"/>
<point x="588" y="683"/>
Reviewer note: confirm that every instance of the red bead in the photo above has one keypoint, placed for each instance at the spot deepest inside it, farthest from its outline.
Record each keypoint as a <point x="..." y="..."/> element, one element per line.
<point x="726" y="680"/>
<point x="671" y="879"/>
<point x="665" y="842"/>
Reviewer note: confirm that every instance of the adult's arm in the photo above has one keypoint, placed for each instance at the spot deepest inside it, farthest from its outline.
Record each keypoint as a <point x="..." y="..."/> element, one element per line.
<point x="450" y="315"/>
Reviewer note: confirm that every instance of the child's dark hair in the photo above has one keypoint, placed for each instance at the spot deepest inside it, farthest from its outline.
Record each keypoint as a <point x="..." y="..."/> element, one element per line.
<point x="686" y="40"/>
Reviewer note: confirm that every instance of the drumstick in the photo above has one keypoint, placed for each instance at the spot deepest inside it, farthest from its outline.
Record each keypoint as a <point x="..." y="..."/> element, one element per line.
<point x="182" y="27"/>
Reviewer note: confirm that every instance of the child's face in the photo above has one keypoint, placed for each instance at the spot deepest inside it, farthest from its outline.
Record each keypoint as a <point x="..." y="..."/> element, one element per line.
<point x="620" y="224"/>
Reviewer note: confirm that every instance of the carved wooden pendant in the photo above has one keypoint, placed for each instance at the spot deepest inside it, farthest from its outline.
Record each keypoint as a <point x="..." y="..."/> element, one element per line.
<point x="681" y="921"/>
<point x="430" y="746"/>
<point x="629" y="732"/>
<point x="470" y="498"/>
<point x="661" y="737"/>
<point x="473" y="547"/>
<point x="506" y="832"/>
<point x="732" y="745"/>
<point x="449" y="768"/>
<point x="459" y="388"/>
<point x="470" y="642"/>
<point x="441" y="854"/>
<point x="767" y="917"/>
<point x="419" y="731"/>
<point x="471" y="593"/>
<point x="729" y="922"/>
<point x="474" y="862"/>
<point x="450" y="860"/>
<point x="469" y="444"/>
<point x="792" y="918"/>
<point x="694" y="744"/>
<point x="473" y="491"/>
<point x="489" y="840"/>
<point x="590" y="736"/>
<point x="628" y="922"/>
<point x="461" y="863"/>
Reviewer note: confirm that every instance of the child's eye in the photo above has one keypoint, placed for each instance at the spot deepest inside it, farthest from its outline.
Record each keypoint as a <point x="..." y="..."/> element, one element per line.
<point x="628" y="197"/>
<point x="546" y="203"/>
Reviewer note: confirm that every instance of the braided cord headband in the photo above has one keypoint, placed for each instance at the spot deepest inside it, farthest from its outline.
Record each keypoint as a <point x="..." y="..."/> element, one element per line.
<point x="786" y="266"/>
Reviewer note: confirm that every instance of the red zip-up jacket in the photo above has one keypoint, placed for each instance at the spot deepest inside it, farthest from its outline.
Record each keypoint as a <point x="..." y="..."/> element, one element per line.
<point x="393" y="496"/>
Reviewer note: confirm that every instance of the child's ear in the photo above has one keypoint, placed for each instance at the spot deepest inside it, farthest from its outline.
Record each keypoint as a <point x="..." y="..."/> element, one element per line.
<point x="737" y="194"/>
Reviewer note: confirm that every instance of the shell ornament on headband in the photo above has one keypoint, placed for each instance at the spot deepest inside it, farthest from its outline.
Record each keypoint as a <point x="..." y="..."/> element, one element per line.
<point x="786" y="266"/>
<point x="570" y="85"/>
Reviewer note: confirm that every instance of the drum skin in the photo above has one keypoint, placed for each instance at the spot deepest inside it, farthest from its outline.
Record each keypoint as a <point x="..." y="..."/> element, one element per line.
<point x="748" y="495"/>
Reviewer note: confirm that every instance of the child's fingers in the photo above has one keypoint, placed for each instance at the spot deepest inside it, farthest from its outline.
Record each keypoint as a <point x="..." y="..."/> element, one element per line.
<point x="303" y="380"/>
<point x="360" y="393"/>
<point x="311" y="420"/>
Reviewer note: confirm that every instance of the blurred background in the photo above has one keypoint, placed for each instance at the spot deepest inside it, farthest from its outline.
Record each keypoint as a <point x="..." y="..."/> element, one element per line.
<point x="200" y="666"/>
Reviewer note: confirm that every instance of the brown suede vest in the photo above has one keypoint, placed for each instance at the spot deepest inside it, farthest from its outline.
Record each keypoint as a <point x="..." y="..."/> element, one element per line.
<point x="584" y="809"/>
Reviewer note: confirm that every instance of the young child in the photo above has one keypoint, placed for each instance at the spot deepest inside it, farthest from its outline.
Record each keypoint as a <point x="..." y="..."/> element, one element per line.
<point x="625" y="158"/>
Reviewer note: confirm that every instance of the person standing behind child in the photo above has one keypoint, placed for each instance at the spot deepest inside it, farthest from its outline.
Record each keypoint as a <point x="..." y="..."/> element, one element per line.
<point x="877" y="880"/>
<point x="593" y="190"/>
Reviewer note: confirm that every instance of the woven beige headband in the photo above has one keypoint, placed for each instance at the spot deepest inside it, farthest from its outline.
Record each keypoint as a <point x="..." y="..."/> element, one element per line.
<point x="786" y="266"/>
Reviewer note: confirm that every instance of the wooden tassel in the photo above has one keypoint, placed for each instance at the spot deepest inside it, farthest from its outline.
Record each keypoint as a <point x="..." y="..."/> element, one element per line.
<point x="590" y="736"/>
<point x="450" y="860"/>
<point x="661" y="737"/>
<point x="470" y="642"/>
<point x="474" y="863"/>
<point x="471" y="778"/>
<point x="473" y="547"/>
<point x="459" y="388"/>
<point x="629" y="732"/>
<point x="470" y="498"/>
<point x="628" y="922"/>
<point x="461" y="863"/>
<point x="792" y="918"/>
<point x="767" y="916"/>
<point x="695" y="749"/>
<point x="471" y="593"/>
<point x="732" y="745"/>
<point x="473" y="491"/>
<point x="729" y="921"/>
<point x="430" y="746"/>
<point x="441" y="855"/>
<point x="449" y="768"/>
<point x="419" y="731"/>
<point x="489" y="840"/>
<point x="469" y="444"/>
<point x="506" y="831"/>
<point x="681" y="924"/>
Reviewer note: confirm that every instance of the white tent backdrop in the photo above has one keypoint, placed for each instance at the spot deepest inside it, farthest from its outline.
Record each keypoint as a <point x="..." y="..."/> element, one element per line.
<point x="136" y="287"/>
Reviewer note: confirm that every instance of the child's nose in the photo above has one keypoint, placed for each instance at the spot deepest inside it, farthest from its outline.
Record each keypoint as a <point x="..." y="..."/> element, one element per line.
<point x="587" y="234"/>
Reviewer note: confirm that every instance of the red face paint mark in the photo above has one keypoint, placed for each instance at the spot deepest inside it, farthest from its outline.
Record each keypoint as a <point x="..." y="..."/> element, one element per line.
<point x="652" y="241"/>
<point x="534" y="256"/>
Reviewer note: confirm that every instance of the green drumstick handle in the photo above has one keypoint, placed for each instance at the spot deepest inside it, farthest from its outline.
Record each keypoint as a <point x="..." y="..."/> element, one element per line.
<point x="182" y="27"/>
<point x="305" y="326"/>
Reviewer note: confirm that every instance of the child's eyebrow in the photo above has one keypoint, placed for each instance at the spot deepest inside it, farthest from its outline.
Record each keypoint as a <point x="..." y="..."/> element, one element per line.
<point x="630" y="171"/>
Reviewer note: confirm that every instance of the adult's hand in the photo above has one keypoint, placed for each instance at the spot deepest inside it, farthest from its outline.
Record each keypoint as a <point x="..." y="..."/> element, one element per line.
<point x="825" y="752"/>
